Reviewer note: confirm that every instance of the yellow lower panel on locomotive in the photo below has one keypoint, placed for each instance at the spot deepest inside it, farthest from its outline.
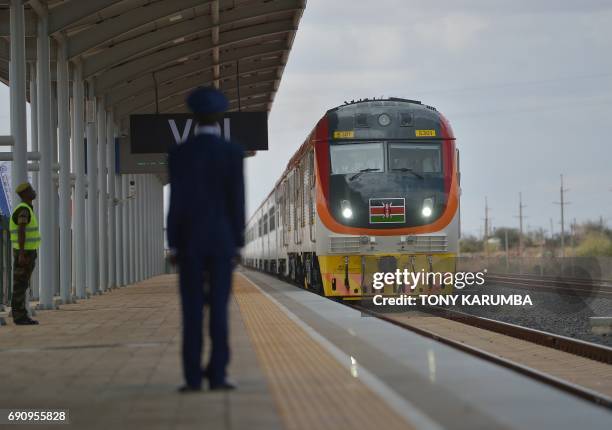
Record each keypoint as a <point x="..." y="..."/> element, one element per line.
<point x="353" y="275"/>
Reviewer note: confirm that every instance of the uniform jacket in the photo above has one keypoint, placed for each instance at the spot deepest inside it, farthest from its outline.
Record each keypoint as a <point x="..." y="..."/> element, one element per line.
<point x="206" y="214"/>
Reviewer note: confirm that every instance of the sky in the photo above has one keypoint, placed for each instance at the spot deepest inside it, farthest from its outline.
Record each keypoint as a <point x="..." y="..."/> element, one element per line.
<point x="526" y="86"/>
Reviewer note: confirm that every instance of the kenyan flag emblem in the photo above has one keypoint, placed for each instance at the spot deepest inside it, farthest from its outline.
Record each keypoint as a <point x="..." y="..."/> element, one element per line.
<point x="387" y="210"/>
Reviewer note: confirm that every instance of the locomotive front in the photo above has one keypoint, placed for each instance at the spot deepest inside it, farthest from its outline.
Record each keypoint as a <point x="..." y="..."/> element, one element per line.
<point x="387" y="195"/>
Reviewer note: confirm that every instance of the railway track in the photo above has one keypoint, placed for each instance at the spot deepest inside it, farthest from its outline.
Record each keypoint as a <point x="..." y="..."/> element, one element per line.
<point x="585" y="349"/>
<point x="560" y="284"/>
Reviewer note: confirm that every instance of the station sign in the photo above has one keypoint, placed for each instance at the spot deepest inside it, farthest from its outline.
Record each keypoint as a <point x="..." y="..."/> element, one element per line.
<point x="151" y="136"/>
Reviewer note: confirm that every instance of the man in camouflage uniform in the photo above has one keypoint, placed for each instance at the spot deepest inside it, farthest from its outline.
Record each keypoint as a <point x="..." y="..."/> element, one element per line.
<point x="25" y="237"/>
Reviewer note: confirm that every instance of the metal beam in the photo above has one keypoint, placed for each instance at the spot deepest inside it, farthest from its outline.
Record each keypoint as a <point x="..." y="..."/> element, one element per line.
<point x="182" y="86"/>
<point x="148" y="63"/>
<point x="29" y="22"/>
<point x="214" y="13"/>
<point x="146" y="84"/>
<point x="70" y="12"/>
<point x="248" y="107"/>
<point x="179" y="99"/>
<point x="109" y="29"/>
<point x="153" y="40"/>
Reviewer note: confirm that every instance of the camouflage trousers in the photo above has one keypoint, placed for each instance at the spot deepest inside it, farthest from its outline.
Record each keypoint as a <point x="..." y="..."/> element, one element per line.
<point x="21" y="282"/>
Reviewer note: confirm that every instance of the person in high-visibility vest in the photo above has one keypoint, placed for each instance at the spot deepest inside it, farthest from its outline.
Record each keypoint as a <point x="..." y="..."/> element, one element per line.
<point x="25" y="237"/>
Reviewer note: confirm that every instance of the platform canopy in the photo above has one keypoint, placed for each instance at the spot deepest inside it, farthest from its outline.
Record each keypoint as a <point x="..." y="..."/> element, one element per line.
<point x="144" y="56"/>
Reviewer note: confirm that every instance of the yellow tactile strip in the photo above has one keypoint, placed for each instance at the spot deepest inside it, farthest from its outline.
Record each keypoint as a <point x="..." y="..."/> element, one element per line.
<point x="578" y="370"/>
<point x="311" y="389"/>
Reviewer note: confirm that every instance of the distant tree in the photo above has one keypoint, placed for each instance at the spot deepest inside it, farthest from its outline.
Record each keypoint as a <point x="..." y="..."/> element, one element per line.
<point x="513" y="236"/>
<point x="470" y="244"/>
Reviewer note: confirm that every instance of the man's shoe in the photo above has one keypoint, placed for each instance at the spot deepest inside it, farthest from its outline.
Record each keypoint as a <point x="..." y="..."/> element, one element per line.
<point x="26" y="321"/>
<point x="223" y="386"/>
<point x="186" y="389"/>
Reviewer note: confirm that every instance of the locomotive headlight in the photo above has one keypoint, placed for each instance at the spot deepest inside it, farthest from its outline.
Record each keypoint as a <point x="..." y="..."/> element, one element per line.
<point x="384" y="119"/>
<point x="347" y="212"/>
<point x="427" y="207"/>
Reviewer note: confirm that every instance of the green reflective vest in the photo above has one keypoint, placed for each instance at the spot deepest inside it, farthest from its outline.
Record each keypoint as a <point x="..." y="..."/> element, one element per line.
<point x="32" y="234"/>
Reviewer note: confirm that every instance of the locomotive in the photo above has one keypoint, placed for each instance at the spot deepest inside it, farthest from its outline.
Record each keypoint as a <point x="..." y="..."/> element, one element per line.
<point x="374" y="188"/>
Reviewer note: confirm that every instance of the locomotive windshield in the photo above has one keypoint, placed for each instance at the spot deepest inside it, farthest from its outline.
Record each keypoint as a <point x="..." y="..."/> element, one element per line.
<point x="355" y="158"/>
<point x="422" y="159"/>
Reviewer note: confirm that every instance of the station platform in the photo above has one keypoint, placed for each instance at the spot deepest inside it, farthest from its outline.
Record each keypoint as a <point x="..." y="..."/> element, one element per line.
<point x="300" y="361"/>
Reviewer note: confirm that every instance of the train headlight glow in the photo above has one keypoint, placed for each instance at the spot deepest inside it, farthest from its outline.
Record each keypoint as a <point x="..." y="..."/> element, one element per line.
<point x="347" y="212"/>
<point x="384" y="119"/>
<point x="427" y="207"/>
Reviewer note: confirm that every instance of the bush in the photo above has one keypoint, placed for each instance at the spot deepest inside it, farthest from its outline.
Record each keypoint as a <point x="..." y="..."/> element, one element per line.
<point x="595" y="244"/>
<point x="470" y="244"/>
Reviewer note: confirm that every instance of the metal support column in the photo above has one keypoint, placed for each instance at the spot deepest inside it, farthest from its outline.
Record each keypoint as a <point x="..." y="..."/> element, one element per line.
<point x="144" y="224"/>
<point x="147" y="225"/>
<point x="35" y="282"/>
<point x="54" y="192"/>
<point x="64" y="173"/>
<point x="140" y="224"/>
<point x="45" y="177"/>
<point x="160" y="229"/>
<point x="110" y="163"/>
<point x="17" y="85"/>
<point x="120" y="196"/>
<point x="132" y="228"/>
<point x="125" y="280"/>
<point x="78" y="162"/>
<point x="102" y="196"/>
<point x="92" y="195"/>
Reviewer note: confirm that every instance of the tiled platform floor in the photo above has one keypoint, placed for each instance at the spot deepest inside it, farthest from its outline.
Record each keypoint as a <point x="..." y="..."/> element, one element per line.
<point x="113" y="361"/>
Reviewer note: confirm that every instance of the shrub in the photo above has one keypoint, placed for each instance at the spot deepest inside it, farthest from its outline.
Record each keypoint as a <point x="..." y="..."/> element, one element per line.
<point x="595" y="244"/>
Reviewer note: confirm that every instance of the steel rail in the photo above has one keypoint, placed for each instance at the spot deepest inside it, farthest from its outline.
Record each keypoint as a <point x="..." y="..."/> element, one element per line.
<point x="560" y="284"/>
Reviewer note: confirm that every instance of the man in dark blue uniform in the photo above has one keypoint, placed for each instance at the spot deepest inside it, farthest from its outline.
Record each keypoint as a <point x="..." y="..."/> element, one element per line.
<point x="205" y="232"/>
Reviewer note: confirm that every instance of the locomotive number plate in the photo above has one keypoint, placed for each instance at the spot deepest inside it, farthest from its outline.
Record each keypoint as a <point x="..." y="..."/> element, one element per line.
<point x="425" y="133"/>
<point x="344" y="134"/>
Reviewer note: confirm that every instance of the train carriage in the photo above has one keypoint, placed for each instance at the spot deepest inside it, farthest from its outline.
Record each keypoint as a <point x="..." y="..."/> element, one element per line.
<point x="374" y="188"/>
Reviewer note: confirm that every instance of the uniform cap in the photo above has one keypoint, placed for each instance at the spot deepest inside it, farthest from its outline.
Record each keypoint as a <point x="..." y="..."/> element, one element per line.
<point x="22" y="187"/>
<point x="207" y="100"/>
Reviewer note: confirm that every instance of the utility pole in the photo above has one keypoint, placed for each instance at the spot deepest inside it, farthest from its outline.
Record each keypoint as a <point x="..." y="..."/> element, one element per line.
<point x="486" y="227"/>
<point x="562" y="204"/>
<point x="507" y="250"/>
<point x="552" y="233"/>
<point x="521" y="217"/>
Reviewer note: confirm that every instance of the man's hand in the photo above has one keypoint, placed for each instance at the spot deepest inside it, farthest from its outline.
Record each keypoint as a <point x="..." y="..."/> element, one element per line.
<point x="22" y="259"/>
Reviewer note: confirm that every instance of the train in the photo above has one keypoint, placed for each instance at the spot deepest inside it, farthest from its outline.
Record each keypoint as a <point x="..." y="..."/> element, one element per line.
<point x="375" y="187"/>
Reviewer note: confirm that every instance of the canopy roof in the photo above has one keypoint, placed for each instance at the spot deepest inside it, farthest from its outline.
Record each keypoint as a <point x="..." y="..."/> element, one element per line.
<point x="132" y="50"/>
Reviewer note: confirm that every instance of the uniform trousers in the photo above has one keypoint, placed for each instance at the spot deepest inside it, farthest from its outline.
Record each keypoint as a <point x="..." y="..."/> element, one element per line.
<point x="217" y="270"/>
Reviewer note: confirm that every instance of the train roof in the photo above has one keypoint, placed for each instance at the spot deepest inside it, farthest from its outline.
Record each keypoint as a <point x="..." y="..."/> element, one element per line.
<point x="382" y="102"/>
